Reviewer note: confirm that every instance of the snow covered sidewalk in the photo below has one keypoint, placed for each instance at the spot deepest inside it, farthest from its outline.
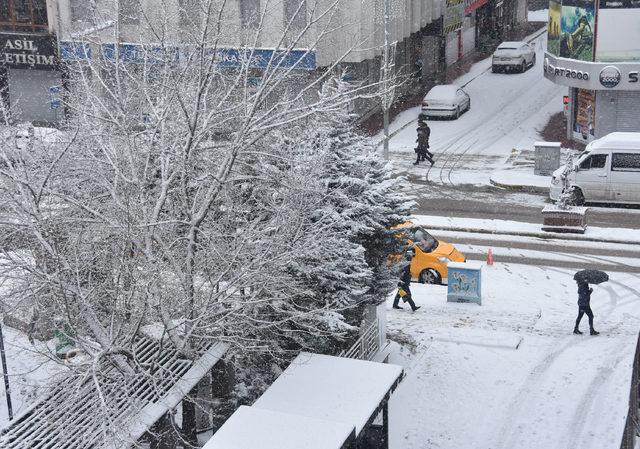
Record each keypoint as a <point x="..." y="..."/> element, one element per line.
<point x="469" y="387"/>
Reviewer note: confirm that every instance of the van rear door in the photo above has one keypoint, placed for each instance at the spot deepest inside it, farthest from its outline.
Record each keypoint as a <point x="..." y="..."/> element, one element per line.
<point x="593" y="178"/>
<point x="625" y="177"/>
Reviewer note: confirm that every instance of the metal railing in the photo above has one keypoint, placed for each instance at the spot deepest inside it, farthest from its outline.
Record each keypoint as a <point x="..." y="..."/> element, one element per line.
<point x="632" y="426"/>
<point x="366" y="347"/>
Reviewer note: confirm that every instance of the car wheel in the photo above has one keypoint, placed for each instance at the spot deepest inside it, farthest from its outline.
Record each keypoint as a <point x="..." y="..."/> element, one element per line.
<point x="576" y="197"/>
<point x="523" y="66"/>
<point x="429" y="276"/>
<point x="494" y="69"/>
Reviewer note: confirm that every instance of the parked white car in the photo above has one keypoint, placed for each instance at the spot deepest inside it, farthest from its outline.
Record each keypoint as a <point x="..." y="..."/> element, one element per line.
<point x="513" y="56"/>
<point x="447" y="100"/>
<point x="607" y="171"/>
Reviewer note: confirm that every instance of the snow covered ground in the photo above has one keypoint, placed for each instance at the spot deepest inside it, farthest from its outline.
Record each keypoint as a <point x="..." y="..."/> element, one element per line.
<point x="507" y="112"/>
<point x="510" y="374"/>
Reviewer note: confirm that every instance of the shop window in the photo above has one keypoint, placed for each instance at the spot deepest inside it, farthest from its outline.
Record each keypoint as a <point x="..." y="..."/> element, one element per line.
<point x="295" y="12"/>
<point x="23" y="16"/>
<point x="249" y="13"/>
<point x="625" y="162"/>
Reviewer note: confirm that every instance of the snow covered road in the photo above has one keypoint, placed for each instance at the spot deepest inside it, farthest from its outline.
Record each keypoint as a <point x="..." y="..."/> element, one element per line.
<point x="469" y="387"/>
<point x="506" y="112"/>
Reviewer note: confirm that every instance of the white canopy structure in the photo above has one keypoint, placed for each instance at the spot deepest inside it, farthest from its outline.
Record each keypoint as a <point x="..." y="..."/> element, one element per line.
<point x="316" y="395"/>
<point x="251" y="428"/>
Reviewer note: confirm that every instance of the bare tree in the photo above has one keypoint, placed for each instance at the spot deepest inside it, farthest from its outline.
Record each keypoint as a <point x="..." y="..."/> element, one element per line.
<point x="184" y="195"/>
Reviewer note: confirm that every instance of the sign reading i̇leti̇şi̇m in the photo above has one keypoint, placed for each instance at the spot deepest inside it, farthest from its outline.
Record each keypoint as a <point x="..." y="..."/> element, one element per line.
<point x="24" y="51"/>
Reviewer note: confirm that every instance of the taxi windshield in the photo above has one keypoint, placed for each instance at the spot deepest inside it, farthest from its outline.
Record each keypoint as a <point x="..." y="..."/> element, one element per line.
<point x="423" y="239"/>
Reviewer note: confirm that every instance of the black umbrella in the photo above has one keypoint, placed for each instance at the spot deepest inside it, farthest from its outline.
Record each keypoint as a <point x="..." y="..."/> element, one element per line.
<point x="591" y="276"/>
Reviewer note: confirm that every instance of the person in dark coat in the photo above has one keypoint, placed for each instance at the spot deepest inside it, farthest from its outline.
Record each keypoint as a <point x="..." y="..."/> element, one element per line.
<point x="584" y="307"/>
<point x="422" y="149"/>
<point x="405" y="284"/>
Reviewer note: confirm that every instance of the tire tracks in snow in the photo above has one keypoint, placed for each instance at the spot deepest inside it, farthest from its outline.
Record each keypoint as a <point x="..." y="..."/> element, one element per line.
<point x="586" y="402"/>
<point x="516" y="407"/>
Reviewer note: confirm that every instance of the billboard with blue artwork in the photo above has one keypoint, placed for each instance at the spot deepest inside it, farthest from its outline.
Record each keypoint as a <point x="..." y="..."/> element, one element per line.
<point x="464" y="283"/>
<point x="571" y="29"/>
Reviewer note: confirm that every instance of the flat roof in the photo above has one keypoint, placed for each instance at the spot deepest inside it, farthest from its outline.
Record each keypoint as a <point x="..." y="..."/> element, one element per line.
<point x="331" y="388"/>
<point x="253" y="428"/>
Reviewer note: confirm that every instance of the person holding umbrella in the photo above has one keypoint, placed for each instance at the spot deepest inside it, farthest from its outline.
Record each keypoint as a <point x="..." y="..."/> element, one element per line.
<point x="584" y="278"/>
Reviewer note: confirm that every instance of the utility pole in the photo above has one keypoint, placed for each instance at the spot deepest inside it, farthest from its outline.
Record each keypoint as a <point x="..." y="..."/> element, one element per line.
<point x="5" y="374"/>
<point x="387" y="91"/>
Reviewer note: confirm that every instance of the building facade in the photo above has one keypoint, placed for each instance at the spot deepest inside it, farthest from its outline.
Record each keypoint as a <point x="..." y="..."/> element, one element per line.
<point x="593" y="50"/>
<point x="29" y="70"/>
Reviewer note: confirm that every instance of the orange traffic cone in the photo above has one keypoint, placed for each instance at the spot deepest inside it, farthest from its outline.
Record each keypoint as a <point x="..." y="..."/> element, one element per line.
<point x="490" y="257"/>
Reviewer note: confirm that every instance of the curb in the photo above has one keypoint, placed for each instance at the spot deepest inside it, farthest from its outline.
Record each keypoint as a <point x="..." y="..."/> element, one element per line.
<point x="520" y="188"/>
<point x="541" y="234"/>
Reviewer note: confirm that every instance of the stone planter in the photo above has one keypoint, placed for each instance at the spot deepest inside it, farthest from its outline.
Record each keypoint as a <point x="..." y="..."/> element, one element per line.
<point x="572" y="219"/>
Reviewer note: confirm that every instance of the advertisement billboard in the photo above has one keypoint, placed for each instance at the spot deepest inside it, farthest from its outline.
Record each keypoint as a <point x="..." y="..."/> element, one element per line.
<point x="553" y="27"/>
<point x="618" y="31"/>
<point x="577" y="25"/>
<point x="584" y="115"/>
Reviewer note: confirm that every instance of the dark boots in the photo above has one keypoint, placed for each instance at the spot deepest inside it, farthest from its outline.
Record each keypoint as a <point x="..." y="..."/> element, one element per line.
<point x="591" y="332"/>
<point x="577" y="331"/>
<point x="594" y="332"/>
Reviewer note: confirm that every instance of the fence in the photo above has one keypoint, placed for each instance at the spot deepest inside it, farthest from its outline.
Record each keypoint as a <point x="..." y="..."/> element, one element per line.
<point x="367" y="345"/>
<point x="631" y="427"/>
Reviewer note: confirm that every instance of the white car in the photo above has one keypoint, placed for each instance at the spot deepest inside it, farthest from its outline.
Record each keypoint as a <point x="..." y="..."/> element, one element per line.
<point x="513" y="55"/>
<point x="447" y="100"/>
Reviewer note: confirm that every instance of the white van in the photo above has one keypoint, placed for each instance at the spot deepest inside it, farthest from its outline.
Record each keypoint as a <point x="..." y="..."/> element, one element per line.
<point x="607" y="171"/>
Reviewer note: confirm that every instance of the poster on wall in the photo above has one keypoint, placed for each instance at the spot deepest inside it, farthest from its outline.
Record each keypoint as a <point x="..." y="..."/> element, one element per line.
<point x="553" y="28"/>
<point x="584" y="115"/>
<point x="577" y="24"/>
<point x="453" y="15"/>
<point x="618" y="31"/>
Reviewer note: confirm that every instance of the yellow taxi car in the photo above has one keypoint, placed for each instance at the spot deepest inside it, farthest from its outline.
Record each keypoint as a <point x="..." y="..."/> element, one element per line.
<point x="431" y="256"/>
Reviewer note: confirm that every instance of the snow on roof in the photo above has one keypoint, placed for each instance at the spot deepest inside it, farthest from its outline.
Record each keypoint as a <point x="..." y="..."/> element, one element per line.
<point x="510" y="44"/>
<point x="331" y="388"/>
<point x="444" y="91"/>
<point x="73" y="416"/>
<point x="617" y="140"/>
<point x="251" y="428"/>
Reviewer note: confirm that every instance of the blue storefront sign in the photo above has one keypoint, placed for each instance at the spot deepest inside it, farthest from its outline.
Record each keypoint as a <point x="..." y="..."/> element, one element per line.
<point x="223" y="57"/>
<point x="464" y="282"/>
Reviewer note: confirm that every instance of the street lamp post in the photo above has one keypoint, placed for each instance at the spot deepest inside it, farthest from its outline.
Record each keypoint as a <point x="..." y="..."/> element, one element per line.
<point x="5" y="373"/>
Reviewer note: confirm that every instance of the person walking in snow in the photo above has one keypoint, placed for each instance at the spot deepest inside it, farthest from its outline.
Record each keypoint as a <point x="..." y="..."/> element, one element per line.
<point x="584" y="307"/>
<point x="422" y="149"/>
<point x="404" y="286"/>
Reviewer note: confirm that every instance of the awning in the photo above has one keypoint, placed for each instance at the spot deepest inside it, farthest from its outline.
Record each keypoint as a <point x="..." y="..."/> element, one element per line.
<point x="251" y="427"/>
<point x="475" y="5"/>
<point x="332" y="388"/>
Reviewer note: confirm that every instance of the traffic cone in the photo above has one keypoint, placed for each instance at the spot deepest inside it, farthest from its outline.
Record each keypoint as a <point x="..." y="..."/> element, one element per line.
<point x="490" y="257"/>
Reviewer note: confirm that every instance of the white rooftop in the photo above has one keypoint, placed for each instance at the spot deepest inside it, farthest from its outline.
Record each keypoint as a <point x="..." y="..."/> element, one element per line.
<point x="617" y="140"/>
<point x="253" y="428"/>
<point x="331" y="388"/>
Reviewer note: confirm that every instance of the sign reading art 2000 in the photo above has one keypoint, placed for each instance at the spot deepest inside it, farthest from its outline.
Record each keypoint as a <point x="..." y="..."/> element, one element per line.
<point x="25" y="51"/>
<point x="592" y="75"/>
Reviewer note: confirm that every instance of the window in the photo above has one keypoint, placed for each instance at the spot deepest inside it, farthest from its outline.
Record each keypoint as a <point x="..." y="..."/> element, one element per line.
<point x="23" y="15"/>
<point x="295" y="12"/>
<point x="626" y="162"/>
<point x="250" y="13"/>
<point x="190" y="14"/>
<point x="81" y="9"/>
<point x="130" y="12"/>
<point x="594" y="162"/>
